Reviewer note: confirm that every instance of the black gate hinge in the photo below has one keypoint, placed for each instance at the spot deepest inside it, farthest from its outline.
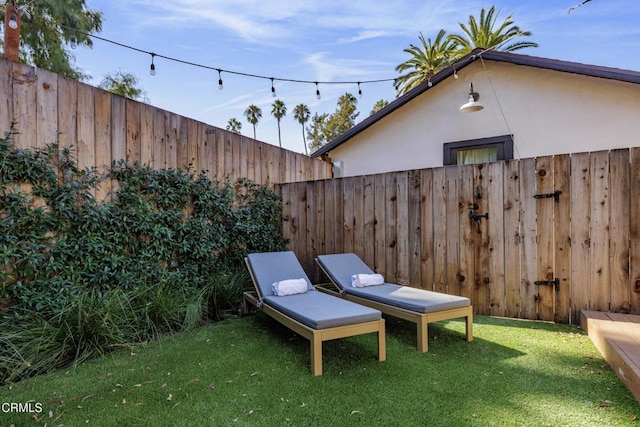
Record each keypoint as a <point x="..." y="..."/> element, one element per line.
<point x="555" y="195"/>
<point x="555" y="283"/>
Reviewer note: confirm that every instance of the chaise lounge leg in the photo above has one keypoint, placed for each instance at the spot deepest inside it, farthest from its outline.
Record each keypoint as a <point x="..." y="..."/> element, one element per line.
<point x="244" y="308"/>
<point x="469" y="320"/>
<point x="382" y="343"/>
<point x="316" y="354"/>
<point x="423" y="335"/>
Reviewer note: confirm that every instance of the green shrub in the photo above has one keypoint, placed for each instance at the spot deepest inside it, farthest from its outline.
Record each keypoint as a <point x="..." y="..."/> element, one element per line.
<point x="162" y="254"/>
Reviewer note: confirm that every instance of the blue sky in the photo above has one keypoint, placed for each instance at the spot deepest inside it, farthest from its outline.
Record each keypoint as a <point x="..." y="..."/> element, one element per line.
<point x="326" y="40"/>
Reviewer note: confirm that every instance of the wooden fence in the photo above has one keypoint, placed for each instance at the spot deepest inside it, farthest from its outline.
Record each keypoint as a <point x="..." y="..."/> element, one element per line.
<point x="414" y="227"/>
<point x="103" y="127"/>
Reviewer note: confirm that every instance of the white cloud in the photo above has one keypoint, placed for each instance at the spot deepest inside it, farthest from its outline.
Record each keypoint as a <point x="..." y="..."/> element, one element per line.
<point x="364" y="35"/>
<point x="281" y="21"/>
<point x="329" y="68"/>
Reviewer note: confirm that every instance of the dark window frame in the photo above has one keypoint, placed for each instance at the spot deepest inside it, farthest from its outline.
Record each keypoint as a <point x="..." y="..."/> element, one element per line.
<point x="503" y="143"/>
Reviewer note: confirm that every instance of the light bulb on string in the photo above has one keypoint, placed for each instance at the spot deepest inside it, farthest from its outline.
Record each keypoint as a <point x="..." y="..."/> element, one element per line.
<point x="455" y="74"/>
<point x="273" y="89"/>
<point x="220" y="85"/>
<point x="317" y="91"/>
<point x="13" y="21"/>
<point x="359" y="90"/>
<point x="152" y="68"/>
<point x="73" y="42"/>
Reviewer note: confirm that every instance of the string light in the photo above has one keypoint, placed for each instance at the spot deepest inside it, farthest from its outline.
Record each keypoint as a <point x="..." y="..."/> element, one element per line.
<point x="152" y="68"/>
<point x="359" y="90"/>
<point x="273" y="89"/>
<point x="220" y="70"/>
<point x="13" y="21"/>
<point x="73" y="42"/>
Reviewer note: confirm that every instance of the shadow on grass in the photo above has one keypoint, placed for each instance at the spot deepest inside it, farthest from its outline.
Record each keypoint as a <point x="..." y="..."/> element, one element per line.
<point x="501" y="369"/>
<point x="523" y="323"/>
<point x="444" y="337"/>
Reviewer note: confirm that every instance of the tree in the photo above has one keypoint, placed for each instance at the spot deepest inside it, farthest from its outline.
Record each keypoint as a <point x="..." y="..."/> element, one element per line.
<point x="483" y="34"/>
<point x="301" y="113"/>
<point x="49" y="27"/>
<point x="426" y="60"/>
<point x="278" y="110"/>
<point x="234" y="125"/>
<point x="327" y="127"/>
<point x="342" y="119"/>
<point x="253" y="113"/>
<point x="315" y="131"/>
<point x="379" y="105"/>
<point x="123" y="84"/>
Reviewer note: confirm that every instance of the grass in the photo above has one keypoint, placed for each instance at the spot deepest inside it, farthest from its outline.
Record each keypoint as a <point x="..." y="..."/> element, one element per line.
<point x="252" y="371"/>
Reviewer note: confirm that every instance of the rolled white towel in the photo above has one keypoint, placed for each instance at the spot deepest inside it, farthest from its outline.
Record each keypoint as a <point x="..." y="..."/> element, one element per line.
<point x="362" y="280"/>
<point x="289" y="287"/>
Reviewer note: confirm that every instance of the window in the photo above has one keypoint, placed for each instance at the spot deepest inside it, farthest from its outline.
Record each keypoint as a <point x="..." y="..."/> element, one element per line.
<point x="478" y="150"/>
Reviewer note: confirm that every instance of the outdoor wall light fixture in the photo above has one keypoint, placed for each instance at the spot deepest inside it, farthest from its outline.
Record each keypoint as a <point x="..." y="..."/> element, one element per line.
<point x="13" y="21"/>
<point x="472" y="105"/>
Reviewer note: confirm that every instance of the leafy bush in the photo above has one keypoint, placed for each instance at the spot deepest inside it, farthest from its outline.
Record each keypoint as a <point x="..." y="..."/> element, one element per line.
<point x="162" y="254"/>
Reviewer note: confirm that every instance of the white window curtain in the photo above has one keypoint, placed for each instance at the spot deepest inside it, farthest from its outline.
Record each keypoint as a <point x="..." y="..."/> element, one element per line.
<point x="477" y="155"/>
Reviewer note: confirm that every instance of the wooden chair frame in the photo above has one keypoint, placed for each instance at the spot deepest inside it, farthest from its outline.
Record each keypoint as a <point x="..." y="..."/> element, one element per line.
<point x="421" y="320"/>
<point x="317" y="336"/>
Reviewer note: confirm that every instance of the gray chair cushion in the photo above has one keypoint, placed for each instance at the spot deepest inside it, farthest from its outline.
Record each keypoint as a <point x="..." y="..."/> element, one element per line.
<point x="341" y="267"/>
<point x="313" y="308"/>
<point x="414" y="299"/>
<point x="319" y="310"/>
<point x="270" y="267"/>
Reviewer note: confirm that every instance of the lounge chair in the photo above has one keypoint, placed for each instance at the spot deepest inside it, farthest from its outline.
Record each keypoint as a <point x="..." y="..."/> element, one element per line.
<point x="314" y="315"/>
<point x="416" y="305"/>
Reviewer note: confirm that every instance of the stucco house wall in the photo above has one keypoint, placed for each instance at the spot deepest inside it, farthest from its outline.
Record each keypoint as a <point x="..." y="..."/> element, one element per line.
<point x="546" y="111"/>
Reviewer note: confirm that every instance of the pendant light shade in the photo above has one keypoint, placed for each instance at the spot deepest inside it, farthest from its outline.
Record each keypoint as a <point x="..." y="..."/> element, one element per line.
<point x="472" y="105"/>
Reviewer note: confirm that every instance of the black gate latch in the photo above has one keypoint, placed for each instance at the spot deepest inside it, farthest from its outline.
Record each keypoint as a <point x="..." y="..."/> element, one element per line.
<point x="555" y="283"/>
<point x="475" y="216"/>
<point x="555" y="195"/>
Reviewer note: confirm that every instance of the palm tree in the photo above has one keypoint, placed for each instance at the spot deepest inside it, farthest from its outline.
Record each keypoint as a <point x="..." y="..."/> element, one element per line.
<point x="278" y="110"/>
<point x="379" y="105"/>
<point x="301" y="113"/>
<point x="123" y="84"/>
<point x="253" y="113"/>
<point x="482" y="34"/>
<point x="234" y="125"/>
<point x="346" y="100"/>
<point x="425" y="61"/>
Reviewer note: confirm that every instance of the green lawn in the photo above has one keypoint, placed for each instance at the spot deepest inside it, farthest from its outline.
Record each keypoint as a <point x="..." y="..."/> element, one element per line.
<point x="252" y="371"/>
